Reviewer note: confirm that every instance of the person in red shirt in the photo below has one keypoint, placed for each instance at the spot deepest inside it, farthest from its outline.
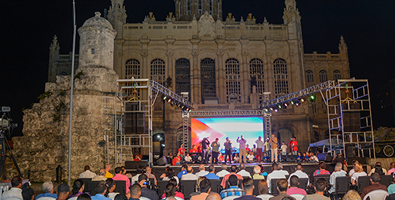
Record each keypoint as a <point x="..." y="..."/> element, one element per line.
<point x="193" y="149"/>
<point x="248" y="149"/>
<point x="233" y="170"/>
<point x="181" y="151"/>
<point x="176" y="159"/>
<point x="220" y="157"/>
<point x="293" y="145"/>
<point x="136" y="158"/>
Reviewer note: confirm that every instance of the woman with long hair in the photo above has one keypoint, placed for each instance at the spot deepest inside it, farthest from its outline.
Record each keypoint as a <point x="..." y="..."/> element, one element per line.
<point x="169" y="175"/>
<point x="78" y="188"/>
<point x="358" y="171"/>
<point x="321" y="169"/>
<point x="110" y="183"/>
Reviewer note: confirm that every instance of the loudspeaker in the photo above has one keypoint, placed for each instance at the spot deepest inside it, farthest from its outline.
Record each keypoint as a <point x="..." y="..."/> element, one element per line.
<point x="361" y="160"/>
<point x="161" y="161"/>
<point x="134" y="118"/>
<point x="328" y="157"/>
<point x="291" y="158"/>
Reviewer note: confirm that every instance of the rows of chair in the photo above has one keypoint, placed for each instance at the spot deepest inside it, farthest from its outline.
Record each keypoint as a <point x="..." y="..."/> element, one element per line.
<point x="120" y="186"/>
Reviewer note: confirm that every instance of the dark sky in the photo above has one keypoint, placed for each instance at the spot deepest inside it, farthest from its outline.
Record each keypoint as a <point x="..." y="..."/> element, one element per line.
<point x="29" y="26"/>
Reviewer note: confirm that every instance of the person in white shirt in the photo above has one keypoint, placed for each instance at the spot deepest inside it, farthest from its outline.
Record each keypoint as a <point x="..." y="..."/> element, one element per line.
<point x="100" y="176"/>
<point x="313" y="158"/>
<point x="223" y="172"/>
<point x="337" y="173"/>
<point x="243" y="171"/>
<point x="259" y="149"/>
<point x="280" y="168"/>
<point x="236" y="158"/>
<point x="87" y="173"/>
<point x="251" y="157"/>
<point x="299" y="173"/>
<point x="188" y="159"/>
<point x="283" y="148"/>
<point x="202" y="171"/>
<point x="15" y="192"/>
<point x="189" y="175"/>
<point x="358" y="172"/>
<point x="276" y="174"/>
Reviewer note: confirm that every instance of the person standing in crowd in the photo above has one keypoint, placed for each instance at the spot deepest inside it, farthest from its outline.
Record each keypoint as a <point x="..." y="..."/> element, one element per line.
<point x="228" y="150"/>
<point x="181" y="151"/>
<point x="273" y="146"/>
<point x="267" y="146"/>
<point x="205" y="144"/>
<point x="215" y="149"/>
<point x="259" y="144"/>
<point x="242" y="149"/>
<point x="293" y="145"/>
<point x="283" y="148"/>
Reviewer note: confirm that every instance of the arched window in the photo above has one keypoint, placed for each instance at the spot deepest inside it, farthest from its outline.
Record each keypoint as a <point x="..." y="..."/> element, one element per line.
<point x="200" y="7"/>
<point x="323" y="76"/>
<point x="211" y="6"/>
<point x="158" y="70"/>
<point x="188" y="2"/>
<point x="183" y="77"/>
<point x="132" y="69"/>
<point x="207" y="71"/>
<point x="232" y="71"/>
<point x="257" y="75"/>
<point x="337" y="75"/>
<point x="280" y="77"/>
<point x="309" y="76"/>
<point x="63" y="74"/>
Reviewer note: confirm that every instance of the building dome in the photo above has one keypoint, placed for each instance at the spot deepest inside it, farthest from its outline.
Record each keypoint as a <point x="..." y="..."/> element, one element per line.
<point x="97" y="21"/>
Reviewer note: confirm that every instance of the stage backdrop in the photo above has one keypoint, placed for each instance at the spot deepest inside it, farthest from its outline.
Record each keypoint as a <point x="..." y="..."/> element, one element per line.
<point x="233" y="127"/>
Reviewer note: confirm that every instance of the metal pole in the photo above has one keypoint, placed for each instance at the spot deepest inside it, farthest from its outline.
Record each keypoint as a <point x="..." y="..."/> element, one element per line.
<point x="71" y="94"/>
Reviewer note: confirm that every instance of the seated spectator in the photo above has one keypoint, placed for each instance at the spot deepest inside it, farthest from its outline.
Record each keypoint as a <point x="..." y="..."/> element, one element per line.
<point x="253" y="150"/>
<point x="211" y="174"/>
<point x="188" y="159"/>
<point x="276" y="174"/>
<point x="120" y="177"/>
<point x="176" y="159"/>
<point x="233" y="170"/>
<point x="321" y="169"/>
<point x="257" y="173"/>
<point x="135" y="192"/>
<point x="178" y="195"/>
<point x="281" y="169"/>
<point x="100" y="176"/>
<point x="392" y="168"/>
<point x="63" y="192"/>
<point x="375" y="180"/>
<point x="223" y="172"/>
<point x="293" y="188"/>
<point x="15" y="191"/>
<point x="87" y="173"/>
<point x="282" y="187"/>
<point x="263" y="173"/>
<point x="305" y="157"/>
<point x="48" y="191"/>
<point x="233" y="189"/>
<point x="110" y="183"/>
<point x="221" y="158"/>
<point x="200" y="179"/>
<point x="236" y="159"/>
<point x="299" y="173"/>
<point x="164" y="174"/>
<point x="320" y="187"/>
<point x="189" y="175"/>
<point x="352" y="195"/>
<point x="243" y="171"/>
<point x="135" y="178"/>
<point x="148" y="172"/>
<point x="248" y="187"/>
<point x="183" y="171"/>
<point x="251" y="157"/>
<point x="265" y="158"/>
<point x="248" y="150"/>
<point x="213" y="196"/>
<point x="337" y="173"/>
<point x="205" y="188"/>
<point x="170" y="175"/>
<point x="378" y="169"/>
<point x="84" y="197"/>
<point x="299" y="157"/>
<point x="263" y="190"/>
<point x="358" y="172"/>
<point x="120" y="197"/>
<point x="313" y="158"/>
<point x="27" y="192"/>
<point x="101" y="190"/>
<point x="202" y="171"/>
<point x="391" y="188"/>
<point x="351" y="172"/>
<point x="145" y="192"/>
<point x="108" y="168"/>
<point x="78" y="188"/>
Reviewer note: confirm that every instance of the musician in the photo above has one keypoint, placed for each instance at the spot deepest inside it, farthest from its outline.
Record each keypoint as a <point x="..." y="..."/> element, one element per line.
<point x="205" y="144"/>
<point x="228" y="150"/>
<point x="273" y="147"/>
<point x="215" y="149"/>
<point x="242" y="149"/>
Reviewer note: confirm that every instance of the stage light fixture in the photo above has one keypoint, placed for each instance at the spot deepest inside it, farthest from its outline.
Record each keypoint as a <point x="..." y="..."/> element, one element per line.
<point x="164" y="97"/>
<point x="302" y="100"/>
<point x="271" y="108"/>
<point x="312" y="98"/>
<point x="169" y="100"/>
<point x="276" y="110"/>
<point x="285" y="105"/>
<point x="266" y="110"/>
<point x="292" y="102"/>
<point x="279" y="106"/>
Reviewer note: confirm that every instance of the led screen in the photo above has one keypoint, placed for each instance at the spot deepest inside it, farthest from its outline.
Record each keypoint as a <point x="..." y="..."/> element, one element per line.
<point x="250" y="127"/>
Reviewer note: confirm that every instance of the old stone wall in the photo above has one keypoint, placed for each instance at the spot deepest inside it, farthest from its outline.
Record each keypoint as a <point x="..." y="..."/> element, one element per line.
<point x="44" y="145"/>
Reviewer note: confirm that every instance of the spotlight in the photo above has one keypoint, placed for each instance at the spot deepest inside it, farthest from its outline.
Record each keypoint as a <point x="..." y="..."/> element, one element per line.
<point x="312" y="98"/>
<point x="165" y="97"/>
<point x="271" y="109"/>
<point x="276" y="110"/>
<point x="279" y="106"/>
<point x="266" y="110"/>
<point x="285" y="105"/>
<point x="169" y="100"/>
<point x="302" y="100"/>
<point x="292" y="102"/>
<point x="190" y="110"/>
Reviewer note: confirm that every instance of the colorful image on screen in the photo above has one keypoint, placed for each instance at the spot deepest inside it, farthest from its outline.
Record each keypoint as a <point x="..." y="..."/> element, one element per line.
<point x="233" y="127"/>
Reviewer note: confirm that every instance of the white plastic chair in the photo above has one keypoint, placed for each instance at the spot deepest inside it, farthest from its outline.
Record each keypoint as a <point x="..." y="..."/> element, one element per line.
<point x="230" y="198"/>
<point x="297" y="196"/>
<point x="265" y="196"/>
<point x="376" y="195"/>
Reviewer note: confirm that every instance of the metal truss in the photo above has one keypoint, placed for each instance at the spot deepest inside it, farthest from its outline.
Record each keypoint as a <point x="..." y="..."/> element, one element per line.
<point x="267" y="116"/>
<point x="226" y="113"/>
<point x="155" y="86"/>
<point x="299" y="94"/>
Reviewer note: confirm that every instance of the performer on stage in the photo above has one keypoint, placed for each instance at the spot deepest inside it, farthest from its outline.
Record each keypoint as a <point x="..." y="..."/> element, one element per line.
<point x="181" y="150"/>
<point x="215" y="149"/>
<point x="259" y="144"/>
<point x="228" y="150"/>
<point x="273" y="146"/>
<point x="293" y="145"/>
<point x="205" y="144"/>
<point x="242" y="149"/>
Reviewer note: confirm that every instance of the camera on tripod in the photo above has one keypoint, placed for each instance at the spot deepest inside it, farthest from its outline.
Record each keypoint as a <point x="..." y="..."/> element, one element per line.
<point x="6" y="123"/>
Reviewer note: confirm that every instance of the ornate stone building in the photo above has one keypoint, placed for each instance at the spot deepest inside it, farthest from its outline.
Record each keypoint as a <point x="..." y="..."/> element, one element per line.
<point x="194" y="50"/>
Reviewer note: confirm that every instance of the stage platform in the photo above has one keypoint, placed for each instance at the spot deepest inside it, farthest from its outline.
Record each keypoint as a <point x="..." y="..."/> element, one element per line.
<point x="308" y="168"/>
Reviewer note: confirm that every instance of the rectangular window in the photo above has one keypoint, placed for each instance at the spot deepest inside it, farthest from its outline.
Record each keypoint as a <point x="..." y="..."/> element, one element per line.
<point x="188" y="7"/>
<point x="200" y="7"/>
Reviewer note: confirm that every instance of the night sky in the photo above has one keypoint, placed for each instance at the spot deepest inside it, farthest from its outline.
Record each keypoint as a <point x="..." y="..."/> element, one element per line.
<point x="367" y="26"/>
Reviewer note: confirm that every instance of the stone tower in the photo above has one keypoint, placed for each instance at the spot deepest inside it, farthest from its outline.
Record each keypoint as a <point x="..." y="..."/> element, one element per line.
<point x="53" y="56"/>
<point x="186" y="10"/>
<point x="117" y="16"/>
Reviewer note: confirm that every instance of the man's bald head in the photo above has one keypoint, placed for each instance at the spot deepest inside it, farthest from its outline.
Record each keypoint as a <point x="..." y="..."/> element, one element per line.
<point x="201" y="168"/>
<point x="213" y="196"/>
<point x="189" y="170"/>
<point x="299" y="167"/>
